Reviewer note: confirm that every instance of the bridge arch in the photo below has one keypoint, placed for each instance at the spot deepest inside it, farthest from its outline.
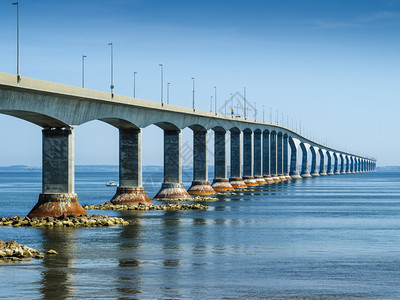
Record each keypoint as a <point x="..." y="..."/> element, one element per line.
<point x="36" y="118"/>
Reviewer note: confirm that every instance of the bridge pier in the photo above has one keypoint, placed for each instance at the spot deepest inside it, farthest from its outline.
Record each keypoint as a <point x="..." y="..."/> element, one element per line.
<point x="130" y="190"/>
<point x="200" y="184"/>
<point x="172" y="187"/>
<point x="236" y="162"/>
<point x="248" y="159"/>
<point x="314" y="169"/>
<point x="322" y="163"/>
<point x="274" y="157"/>
<point x="336" y="170"/>
<point x="294" y="166"/>
<point x="279" y="158"/>
<point x="329" y="169"/>
<point x="286" y="158"/>
<point x="347" y="165"/>
<point x="58" y="171"/>
<point x="257" y="158"/>
<point x="266" y="157"/>
<point x="342" y="166"/>
<point x="305" y="173"/>
<point x="221" y="181"/>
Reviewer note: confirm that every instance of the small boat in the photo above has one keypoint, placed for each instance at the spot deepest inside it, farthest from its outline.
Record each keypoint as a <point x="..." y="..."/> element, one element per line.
<point x="111" y="183"/>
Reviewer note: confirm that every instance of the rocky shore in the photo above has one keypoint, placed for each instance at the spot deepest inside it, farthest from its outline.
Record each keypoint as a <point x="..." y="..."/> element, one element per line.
<point x="11" y="251"/>
<point x="178" y="206"/>
<point x="69" y="220"/>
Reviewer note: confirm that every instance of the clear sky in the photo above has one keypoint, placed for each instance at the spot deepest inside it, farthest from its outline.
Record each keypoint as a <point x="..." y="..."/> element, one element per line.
<point x="333" y="64"/>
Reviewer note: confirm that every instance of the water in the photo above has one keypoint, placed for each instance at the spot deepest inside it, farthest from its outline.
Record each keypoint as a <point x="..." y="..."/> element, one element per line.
<point x="331" y="237"/>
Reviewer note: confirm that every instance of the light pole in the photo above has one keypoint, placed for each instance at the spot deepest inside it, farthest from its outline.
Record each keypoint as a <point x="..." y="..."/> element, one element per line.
<point x="83" y="71"/>
<point x="215" y="98"/>
<point x="162" y="84"/>
<point x="134" y="84"/>
<point x="244" y="102"/>
<point x="18" y="75"/>
<point x="193" y="94"/>
<point x="211" y="103"/>
<point x="112" y="70"/>
<point x="263" y="114"/>
<point x="168" y="83"/>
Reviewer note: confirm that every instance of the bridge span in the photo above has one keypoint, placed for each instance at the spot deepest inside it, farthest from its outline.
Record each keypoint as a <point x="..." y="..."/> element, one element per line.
<point x="259" y="151"/>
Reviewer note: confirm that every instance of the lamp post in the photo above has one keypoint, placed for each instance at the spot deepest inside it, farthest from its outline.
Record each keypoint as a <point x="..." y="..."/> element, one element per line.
<point x="244" y="103"/>
<point x="18" y="75"/>
<point x="162" y="74"/>
<point x="215" y="99"/>
<point x="211" y="103"/>
<point x="83" y="71"/>
<point x="193" y="94"/>
<point x="168" y="83"/>
<point x="112" y="70"/>
<point x="134" y="84"/>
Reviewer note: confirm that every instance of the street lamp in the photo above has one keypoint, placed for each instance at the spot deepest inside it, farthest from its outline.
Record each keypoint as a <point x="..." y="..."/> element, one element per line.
<point x="193" y="94"/>
<point x="18" y="75"/>
<point x="134" y="84"/>
<point x="162" y="85"/>
<point x="83" y="71"/>
<point x="168" y="83"/>
<point x="112" y="70"/>
<point x="215" y="98"/>
<point x="211" y="103"/>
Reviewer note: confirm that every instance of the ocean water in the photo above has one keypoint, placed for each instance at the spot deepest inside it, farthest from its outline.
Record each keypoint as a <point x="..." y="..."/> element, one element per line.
<point x="332" y="237"/>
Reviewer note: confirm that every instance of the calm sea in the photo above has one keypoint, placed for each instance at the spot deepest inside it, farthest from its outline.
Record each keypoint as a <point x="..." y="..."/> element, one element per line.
<point x="333" y="237"/>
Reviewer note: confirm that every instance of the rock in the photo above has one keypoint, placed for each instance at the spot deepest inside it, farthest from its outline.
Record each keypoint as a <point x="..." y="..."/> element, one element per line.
<point x="52" y="252"/>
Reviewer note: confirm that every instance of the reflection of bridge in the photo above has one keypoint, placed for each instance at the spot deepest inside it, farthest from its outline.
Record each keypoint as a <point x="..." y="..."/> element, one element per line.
<point x="59" y="108"/>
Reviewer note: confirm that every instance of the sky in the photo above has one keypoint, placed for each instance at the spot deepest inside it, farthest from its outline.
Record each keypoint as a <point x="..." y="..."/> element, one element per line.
<point x="331" y="65"/>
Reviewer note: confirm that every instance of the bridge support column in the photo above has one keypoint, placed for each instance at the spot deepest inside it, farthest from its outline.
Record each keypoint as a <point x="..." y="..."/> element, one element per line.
<point x="266" y="154"/>
<point x="200" y="184"/>
<point x="172" y="188"/>
<point x="329" y="169"/>
<point x="352" y="165"/>
<point x="294" y="166"/>
<point x="305" y="173"/>
<point x="336" y="170"/>
<point x="236" y="161"/>
<point x="347" y="165"/>
<point x="274" y="157"/>
<point x="314" y="169"/>
<point x="130" y="190"/>
<point x="257" y="158"/>
<point x="221" y="181"/>
<point x="286" y="158"/>
<point x="342" y="166"/>
<point x="58" y="171"/>
<point x="322" y="163"/>
<point x="280" y="157"/>
<point x="248" y="159"/>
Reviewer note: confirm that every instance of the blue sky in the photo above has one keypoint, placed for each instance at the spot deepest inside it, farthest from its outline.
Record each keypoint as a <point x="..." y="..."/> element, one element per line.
<point x="332" y="64"/>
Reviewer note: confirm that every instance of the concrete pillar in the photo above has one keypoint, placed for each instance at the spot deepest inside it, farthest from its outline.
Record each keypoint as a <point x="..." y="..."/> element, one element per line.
<point x="305" y="173"/>
<point x="322" y="162"/>
<point x="236" y="161"/>
<point x="58" y="170"/>
<point x="329" y="168"/>
<point x="352" y="165"/>
<point x="342" y="164"/>
<point x="294" y="165"/>
<point x="130" y="190"/>
<point x="347" y="165"/>
<point x="172" y="187"/>
<point x="356" y="165"/>
<point x="274" y="157"/>
<point x="286" y="158"/>
<point x="248" y="158"/>
<point x="200" y="184"/>
<point x="257" y="158"/>
<point x="280" y="157"/>
<point x="336" y="170"/>
<point x="221" y="181"/>
<point x="266" y="157"/>
<point x="314" y="168"/>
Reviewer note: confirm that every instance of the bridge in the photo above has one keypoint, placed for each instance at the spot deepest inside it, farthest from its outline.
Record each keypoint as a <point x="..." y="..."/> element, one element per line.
<point x="260" y="148"/>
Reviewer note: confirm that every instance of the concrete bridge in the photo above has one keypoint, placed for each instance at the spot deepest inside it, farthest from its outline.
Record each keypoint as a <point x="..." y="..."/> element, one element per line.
<point x="261" y="148"/>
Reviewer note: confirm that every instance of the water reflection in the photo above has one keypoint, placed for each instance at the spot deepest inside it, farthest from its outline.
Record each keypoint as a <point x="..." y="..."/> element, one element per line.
<point x="57" y="276"/>
<point x="129" y="282"/>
